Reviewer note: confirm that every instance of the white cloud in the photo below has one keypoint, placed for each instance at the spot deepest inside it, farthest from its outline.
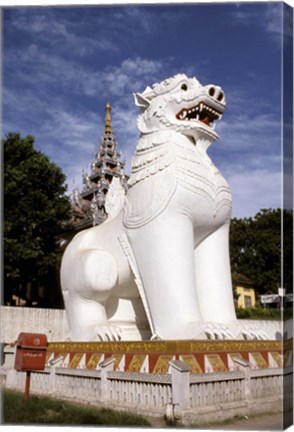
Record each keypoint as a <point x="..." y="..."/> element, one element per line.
<point x="58" y="31"/>
<point x="46" y="68"/>
<point x="82" y="144"/>
<point x="250" y="128"/>
<point x="130" y="75"/>
<point x="249" y="152"/>
<point x="66" y="134"/>
<point x="18" y="102"/>
<point x="70" y="136"/>
<point x="253" y="190"/>
<point x="245" y="133"/>
<point x="125" y="119"/>
<point x="78" y="135"/>
<point x="270" y="21"/>
<point x="70" y="128"/>
<point x="125" y="122"/>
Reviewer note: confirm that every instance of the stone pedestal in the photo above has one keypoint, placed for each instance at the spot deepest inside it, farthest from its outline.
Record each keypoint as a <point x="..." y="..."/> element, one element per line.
<point x="106" y="366"/>
<point x="180" y="374"/>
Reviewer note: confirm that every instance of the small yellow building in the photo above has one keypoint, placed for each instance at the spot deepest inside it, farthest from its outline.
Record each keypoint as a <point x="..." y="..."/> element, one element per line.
<point x="245" y="292"/>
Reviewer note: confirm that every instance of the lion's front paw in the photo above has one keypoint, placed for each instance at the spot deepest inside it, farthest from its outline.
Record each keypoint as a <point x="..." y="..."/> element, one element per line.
<point x="250" y="333"/>
<point x="234" y="330"/>
<point x="214" y="331"/>
<point x="108" y="333"/>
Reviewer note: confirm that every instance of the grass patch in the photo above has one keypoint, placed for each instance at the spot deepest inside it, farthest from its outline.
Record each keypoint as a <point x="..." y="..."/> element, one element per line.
<point x="261" y="313"/>
<point x="45" y="410"/>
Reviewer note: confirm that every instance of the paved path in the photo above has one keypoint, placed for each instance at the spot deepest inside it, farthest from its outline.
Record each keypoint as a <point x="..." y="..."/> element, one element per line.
<point x="269" y="422"/>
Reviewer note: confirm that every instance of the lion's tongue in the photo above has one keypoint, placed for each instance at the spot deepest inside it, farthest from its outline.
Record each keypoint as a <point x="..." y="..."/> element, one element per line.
<point x="205" y="120"/>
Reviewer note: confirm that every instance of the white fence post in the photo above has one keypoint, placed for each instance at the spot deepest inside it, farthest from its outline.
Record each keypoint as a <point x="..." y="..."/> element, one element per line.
<point x="52" y="378"/>
<point x="180" y="373"/>
<point x="8" y="366"/>
<point x="106" y="366"/>
<point x="245" y="367"/>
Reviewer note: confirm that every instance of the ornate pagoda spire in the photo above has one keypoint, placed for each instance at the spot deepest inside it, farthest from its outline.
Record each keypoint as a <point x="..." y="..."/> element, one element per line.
<point x="106" y="166"/>
<point x="108" y="118"/>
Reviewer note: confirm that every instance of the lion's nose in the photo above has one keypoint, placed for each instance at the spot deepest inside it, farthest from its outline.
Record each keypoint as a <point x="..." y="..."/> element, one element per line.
<point x="216" y="93"/>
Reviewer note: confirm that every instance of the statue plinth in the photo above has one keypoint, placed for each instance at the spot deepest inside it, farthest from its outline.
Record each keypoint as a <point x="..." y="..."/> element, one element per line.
<point x="154" y="356"/>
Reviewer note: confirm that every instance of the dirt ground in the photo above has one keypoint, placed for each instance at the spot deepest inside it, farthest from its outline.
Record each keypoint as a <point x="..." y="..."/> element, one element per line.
<point x="269" y="422"/>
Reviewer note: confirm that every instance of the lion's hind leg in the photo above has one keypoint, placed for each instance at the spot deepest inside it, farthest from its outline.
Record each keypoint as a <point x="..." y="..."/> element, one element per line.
<point x="88" y="278"/>
<point x="88" y="321"/>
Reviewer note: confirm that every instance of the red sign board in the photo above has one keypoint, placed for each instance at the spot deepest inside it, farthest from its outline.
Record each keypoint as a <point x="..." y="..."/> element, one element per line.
<point x="30" y="352"/>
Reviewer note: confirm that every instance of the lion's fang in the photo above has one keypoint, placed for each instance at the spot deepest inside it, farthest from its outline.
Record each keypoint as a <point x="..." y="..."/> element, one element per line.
<point x="183" y="115"/>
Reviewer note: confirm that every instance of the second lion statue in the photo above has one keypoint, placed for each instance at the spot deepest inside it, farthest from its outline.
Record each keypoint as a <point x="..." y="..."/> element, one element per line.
<point x="168" y="247"/>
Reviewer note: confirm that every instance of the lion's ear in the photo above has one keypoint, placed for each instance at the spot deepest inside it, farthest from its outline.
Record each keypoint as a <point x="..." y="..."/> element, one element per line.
<point x="141" y="101"/>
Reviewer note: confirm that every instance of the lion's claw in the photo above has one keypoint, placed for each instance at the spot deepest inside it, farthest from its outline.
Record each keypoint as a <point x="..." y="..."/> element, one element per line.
<point x="108" y="333"/>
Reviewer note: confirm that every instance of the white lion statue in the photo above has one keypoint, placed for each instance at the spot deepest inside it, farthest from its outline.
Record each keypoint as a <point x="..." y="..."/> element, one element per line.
<point x="167" y="249"/>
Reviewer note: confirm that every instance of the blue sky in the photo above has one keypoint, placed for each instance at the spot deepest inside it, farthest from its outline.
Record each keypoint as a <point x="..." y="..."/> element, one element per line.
<point x="62" y="64"/>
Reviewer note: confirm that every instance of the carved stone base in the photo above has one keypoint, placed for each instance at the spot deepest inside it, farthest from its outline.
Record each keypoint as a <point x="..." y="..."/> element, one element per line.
<point x="155" y="356"/>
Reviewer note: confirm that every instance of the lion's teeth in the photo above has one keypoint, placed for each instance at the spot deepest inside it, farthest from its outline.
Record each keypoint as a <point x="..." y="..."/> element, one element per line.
<point x="201" y="107"/>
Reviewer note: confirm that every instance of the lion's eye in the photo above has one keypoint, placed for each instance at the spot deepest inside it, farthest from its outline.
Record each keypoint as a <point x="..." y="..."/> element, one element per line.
<point x="184" y="87"/>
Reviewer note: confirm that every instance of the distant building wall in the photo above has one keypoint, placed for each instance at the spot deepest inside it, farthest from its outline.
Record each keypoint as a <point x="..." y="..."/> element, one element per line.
<point x="246" y="297"/>
<point x="14" y="320"/>
<point x="53" y="323"/>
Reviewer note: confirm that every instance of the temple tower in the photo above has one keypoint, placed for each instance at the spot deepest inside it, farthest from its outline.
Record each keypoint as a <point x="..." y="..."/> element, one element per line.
<point x="89" y="205"/>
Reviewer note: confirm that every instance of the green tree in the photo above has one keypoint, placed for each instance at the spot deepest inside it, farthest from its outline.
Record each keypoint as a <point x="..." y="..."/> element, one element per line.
<point x="257" y="249"/>
<point x="35" y="207"/>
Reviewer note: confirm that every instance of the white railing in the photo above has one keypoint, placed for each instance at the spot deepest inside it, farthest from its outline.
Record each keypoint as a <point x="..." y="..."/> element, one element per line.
<point x="213" y="388"/>
<point x="266" y="382"/>
<point x="192" y="394"/>
<point x="152" y="390"/>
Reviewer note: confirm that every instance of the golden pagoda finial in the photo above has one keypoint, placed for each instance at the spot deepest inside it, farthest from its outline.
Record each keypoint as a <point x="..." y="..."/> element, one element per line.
<point x="108" y="118"/>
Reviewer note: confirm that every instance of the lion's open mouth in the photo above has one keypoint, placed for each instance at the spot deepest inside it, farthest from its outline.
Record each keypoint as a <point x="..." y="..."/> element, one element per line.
<point x="201" y="112"/>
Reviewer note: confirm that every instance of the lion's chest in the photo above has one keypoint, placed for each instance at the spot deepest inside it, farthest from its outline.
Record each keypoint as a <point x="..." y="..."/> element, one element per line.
<point x="195" y="172"/>
<point x="162" y="163"/>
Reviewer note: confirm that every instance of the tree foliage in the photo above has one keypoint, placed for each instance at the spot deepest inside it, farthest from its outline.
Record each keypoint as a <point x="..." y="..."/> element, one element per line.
<point x="35" y="206"/>
<point x="261" y="249"/>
